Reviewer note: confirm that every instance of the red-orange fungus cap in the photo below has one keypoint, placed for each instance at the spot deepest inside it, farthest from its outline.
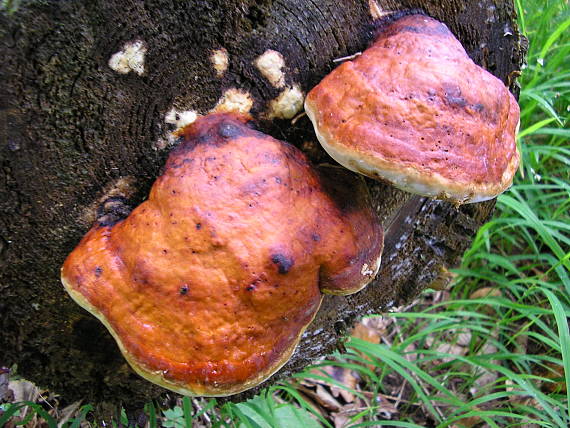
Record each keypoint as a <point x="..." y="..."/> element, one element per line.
<point x="208" y="285"/>
<point x="416" y="111"/>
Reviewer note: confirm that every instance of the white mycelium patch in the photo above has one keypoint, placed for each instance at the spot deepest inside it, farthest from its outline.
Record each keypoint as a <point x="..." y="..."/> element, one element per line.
<point x="130" y="58"/>
<point x="270" y="64"/>
<point x="220" y="60"/>
<point x="375" y="10"/>
<point x="234" y="100"/>
<point x="287" y="104"/>
<point x="180" y="118"/>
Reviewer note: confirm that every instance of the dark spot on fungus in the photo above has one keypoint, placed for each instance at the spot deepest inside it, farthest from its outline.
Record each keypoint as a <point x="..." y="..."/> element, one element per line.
<point x="98" y="271"/>
<point x="229" y="130"/>
<point x="184" y="290"/>
<point x="436" y="30"/>
<point x="181" y="164"/>
<point x="204" y="139"/>
<point x="278" y="180"/>
<point x="253" y="284"/>
<point x="284" y="264"/>
<point x="198" y="226"/>
<point x="113" y="210"/>
<point x="316" y="237"/>
<point x="453" y="95"/>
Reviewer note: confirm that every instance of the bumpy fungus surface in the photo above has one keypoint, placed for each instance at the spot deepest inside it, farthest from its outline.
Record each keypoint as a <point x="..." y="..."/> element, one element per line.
<point x="208" y="285"/>
<point x="416" y="111"/>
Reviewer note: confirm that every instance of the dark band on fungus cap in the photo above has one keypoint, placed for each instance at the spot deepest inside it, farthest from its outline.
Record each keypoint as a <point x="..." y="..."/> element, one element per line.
<point x="415" y="110"/>
<point x="208" y="285"/>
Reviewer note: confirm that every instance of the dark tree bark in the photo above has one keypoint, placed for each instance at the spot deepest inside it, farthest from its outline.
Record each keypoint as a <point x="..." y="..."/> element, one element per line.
<point x="72" y="130"/>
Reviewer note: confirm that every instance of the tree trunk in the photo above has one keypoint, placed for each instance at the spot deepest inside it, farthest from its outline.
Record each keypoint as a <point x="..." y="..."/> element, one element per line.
<point x="73" y="130"/>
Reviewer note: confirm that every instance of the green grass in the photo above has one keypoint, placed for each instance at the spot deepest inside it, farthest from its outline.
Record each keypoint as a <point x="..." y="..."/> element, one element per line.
<point x="513" y="363"/>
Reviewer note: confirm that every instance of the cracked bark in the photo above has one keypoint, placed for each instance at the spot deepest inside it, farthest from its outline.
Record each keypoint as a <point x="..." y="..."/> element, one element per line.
<point x="73" y="130"/>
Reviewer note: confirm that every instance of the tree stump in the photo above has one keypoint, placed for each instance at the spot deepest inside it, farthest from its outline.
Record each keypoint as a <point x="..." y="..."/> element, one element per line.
<point x="73" y="131"/>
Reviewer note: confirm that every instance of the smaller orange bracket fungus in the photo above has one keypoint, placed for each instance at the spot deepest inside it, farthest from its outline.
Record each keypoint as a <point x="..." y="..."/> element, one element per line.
<point x="208" y="285"/>
<point x="416" y="111"/>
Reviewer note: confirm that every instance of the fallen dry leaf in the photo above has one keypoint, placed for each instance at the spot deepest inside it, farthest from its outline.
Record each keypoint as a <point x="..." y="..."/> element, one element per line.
<point x="369" y="330"/>
<point x="443" y="280"/>
<point x="68" y="412"/>
<point x="347" y="412"/>
<point x="325" y="399"/>
<point x="464" y="338"/>
<point x="311" y="398"/>
<point x="24" y="390"/>
<point x="364" y="332"/>
<point x="468" y="422"/>
<point x="340" y="374"/>
<point x="554" y="372"/>
<point x="483" y="292"/>
<point x="6" y="393"/>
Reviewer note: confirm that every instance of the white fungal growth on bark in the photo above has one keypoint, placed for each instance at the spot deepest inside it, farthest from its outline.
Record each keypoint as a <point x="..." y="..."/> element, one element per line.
<point x="366" y="271"/>
<point x="375" y="10"/>
<point x="220" y="60"/>
<point x="130" y="58"/>
<point x="180" y="118"/>
<point x="270" y="64"/>
<point x="234" y="100"/>
<point x="287" y="104"/>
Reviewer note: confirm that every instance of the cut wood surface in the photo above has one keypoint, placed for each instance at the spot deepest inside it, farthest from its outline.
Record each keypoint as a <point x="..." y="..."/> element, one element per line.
<point x="74" y="131"/>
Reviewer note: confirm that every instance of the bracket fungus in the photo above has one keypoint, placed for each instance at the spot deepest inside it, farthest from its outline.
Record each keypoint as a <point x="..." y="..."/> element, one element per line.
<point x="416" y="111"/>
<point x="208" y="285"/>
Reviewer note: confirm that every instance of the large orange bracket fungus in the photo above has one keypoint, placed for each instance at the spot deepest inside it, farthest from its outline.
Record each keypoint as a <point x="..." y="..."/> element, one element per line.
<point x="416" y="111"/>
<point x="208" y="285"/>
